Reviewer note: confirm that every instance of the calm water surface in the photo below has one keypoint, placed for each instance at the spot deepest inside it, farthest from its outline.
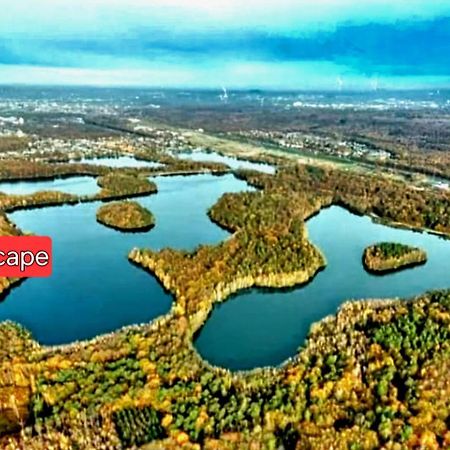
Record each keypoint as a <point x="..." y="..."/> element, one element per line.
<point x="94" y="289"/>
<point x="73" y="185"/>
<point x="120" y="161"/>
<point x="233" y="163"/>
<point x="259" y="328"/>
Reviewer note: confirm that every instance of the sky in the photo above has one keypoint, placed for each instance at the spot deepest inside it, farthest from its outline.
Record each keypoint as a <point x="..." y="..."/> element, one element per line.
<point x="275" y="44"/>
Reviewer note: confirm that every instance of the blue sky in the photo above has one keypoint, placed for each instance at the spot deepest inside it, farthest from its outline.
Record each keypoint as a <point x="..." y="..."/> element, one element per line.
<point x="290" y="44"/>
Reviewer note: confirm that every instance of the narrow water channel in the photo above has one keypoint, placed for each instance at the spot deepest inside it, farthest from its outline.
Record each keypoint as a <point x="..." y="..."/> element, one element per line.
<point x="120" y="161"/>
<point x="83" y="185"/>
<point x="233" y="163"/>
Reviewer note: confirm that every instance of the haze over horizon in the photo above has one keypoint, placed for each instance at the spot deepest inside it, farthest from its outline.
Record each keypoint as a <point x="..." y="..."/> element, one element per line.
<point x="284" y="44"/>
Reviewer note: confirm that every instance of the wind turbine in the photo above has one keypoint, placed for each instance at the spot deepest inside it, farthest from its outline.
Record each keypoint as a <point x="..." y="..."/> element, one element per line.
<point x="224" y="96"/>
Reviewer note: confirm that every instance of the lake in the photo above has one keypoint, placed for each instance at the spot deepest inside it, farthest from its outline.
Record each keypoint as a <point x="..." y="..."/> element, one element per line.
<point x="120" y="161"/>
<point x="94" y="289"/>
<point x="73" y="185"/>
<point x="260" y="328"/>
<point x="233" y="163"/>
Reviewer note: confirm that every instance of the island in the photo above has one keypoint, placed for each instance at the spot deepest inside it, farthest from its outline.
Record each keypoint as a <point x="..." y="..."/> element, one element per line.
<point x="387" y="257"/>
<point x="125" y="216"/>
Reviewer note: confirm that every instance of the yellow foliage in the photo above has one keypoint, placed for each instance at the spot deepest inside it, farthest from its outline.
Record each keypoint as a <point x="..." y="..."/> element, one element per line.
<point x="167" y="420"/>
<point x="182" y="438"/>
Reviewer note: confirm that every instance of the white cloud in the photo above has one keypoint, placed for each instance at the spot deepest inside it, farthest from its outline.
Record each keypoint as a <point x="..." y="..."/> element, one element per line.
<point x="35" y="27"/>
<point x="100" y="17"/>
<point x="304" y="76"/>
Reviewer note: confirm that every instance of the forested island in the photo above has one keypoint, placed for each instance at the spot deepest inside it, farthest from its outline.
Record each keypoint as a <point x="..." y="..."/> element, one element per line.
<point x="391" y="256"/>
<point x="125" y="216"/>
<point x="113" y="186"/>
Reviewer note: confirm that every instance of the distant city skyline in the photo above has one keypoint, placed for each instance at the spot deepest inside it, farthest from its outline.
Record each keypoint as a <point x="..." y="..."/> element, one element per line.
<point x="284" y="44"/>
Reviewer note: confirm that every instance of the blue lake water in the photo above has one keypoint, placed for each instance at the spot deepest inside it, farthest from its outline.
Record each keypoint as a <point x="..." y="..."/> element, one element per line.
<point x="120" y="161"/>
<point x="258" y="327"/>
<point x="94" y="288"/>
<point x="233" y="163"/>
<point x="73" y="185"/>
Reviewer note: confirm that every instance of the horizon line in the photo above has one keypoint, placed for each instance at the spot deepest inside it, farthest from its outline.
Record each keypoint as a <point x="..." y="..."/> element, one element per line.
<point x="229" y="88"/>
